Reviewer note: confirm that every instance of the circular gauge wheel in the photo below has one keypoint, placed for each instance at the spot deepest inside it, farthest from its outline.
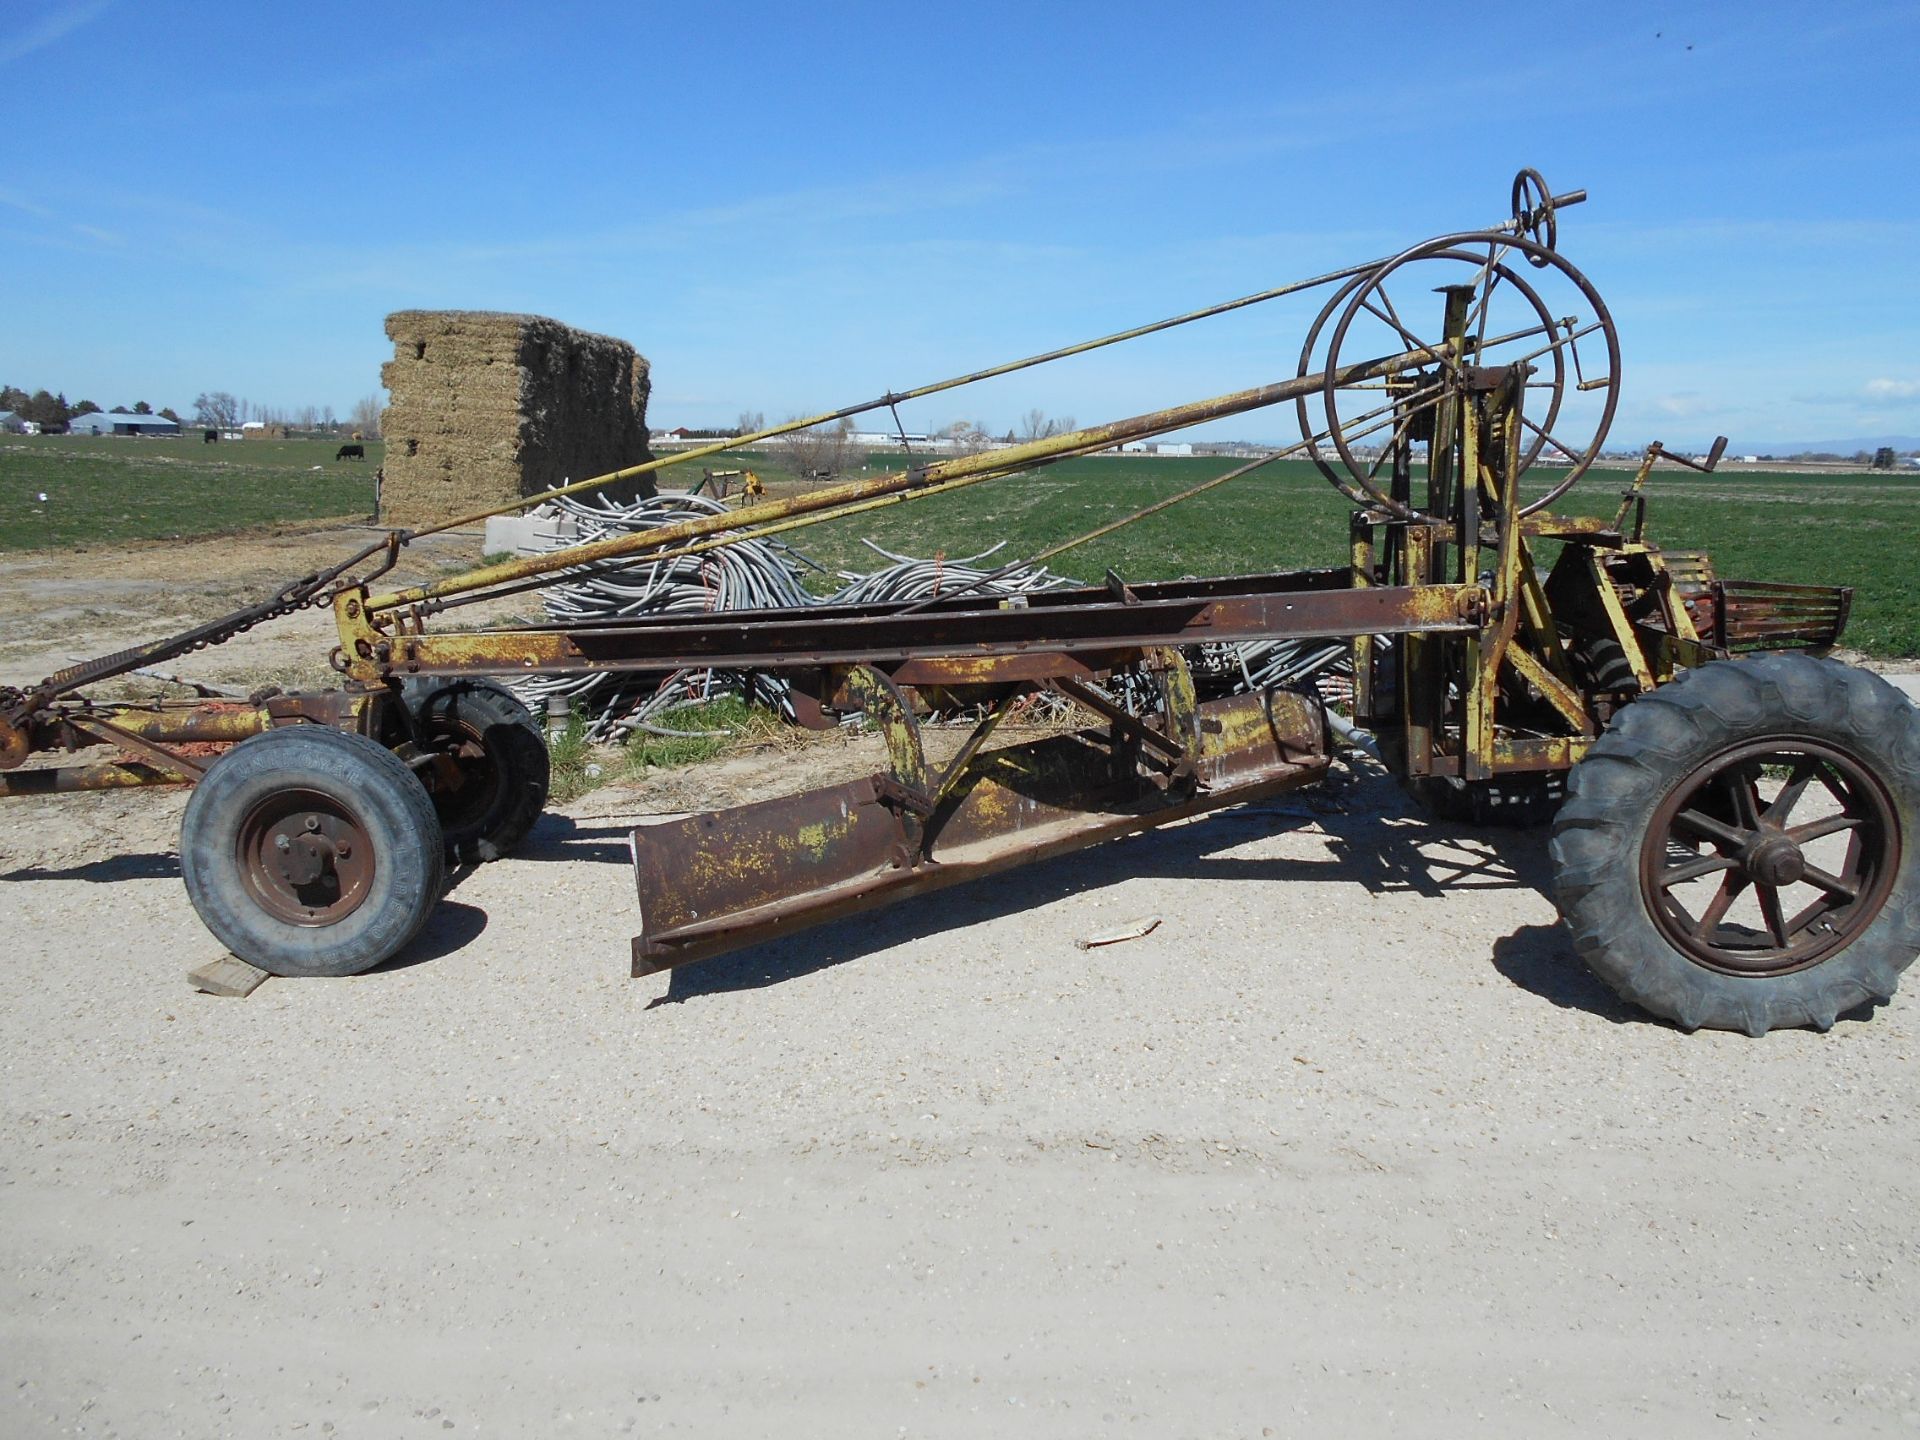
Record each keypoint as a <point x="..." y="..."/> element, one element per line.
<point x="1533" y="214"/>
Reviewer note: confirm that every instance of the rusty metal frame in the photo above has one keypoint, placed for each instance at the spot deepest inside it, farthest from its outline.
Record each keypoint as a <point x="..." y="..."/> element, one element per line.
<point x="1467" y="664"/>
<point x="155" y="734"/>
<point x="980" y="640"/>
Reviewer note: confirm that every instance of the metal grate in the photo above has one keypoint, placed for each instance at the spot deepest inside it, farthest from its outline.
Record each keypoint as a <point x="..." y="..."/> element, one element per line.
<point x="1764" y="615"/>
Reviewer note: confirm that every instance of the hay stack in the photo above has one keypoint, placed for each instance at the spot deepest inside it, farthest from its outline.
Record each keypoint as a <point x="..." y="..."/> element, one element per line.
<point x="489" y="407"/>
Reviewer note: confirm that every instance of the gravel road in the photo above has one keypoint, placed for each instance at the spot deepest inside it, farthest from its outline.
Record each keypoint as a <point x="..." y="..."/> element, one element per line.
<point x="1349" y="1145"/>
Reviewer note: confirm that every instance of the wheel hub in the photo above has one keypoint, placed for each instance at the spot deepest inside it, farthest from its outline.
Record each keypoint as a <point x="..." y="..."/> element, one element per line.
<point x="1775" y="860"/>
<point x="306" y="858"/>
<point x="466" y="779"/>
<point x="1726" y="868"/>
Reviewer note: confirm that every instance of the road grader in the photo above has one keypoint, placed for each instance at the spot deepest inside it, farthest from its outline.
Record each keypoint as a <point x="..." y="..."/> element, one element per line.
<point x="1735" y="816"/>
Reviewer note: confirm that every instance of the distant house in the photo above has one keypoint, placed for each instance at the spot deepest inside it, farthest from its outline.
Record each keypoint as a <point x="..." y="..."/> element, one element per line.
<point x="12" y="424"/>
<point x="105" y="422"/>
<point x="883" y="439"/>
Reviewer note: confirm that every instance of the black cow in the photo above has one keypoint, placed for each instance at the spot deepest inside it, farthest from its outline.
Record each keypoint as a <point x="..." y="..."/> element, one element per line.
<point x="209" y="437"/>
<point x="352" y="452"/>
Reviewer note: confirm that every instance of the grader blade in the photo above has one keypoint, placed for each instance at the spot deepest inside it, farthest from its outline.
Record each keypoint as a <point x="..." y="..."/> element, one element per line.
<point x="718" y="881"/>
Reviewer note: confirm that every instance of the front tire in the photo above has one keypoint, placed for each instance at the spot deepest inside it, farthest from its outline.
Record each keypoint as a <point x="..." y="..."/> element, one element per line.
<point x="310" y="851"/>
<point x="1741" y="849"/>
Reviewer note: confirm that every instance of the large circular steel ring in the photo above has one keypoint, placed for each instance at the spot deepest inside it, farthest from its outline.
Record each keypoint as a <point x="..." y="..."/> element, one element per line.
<point x="1364" y="492"/>
<point x="1452" y="248"/>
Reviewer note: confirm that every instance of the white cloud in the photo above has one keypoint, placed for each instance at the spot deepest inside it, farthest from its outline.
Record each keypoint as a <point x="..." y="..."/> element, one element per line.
<point x="1882" y="391"/>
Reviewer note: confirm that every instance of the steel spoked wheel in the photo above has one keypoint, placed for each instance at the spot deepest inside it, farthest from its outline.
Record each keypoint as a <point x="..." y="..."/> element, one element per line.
<point x="1533" y="214"/>
<point x="1771" y="857"/>
<point x="307" y="858"/>
<point x="1741" y="849"/>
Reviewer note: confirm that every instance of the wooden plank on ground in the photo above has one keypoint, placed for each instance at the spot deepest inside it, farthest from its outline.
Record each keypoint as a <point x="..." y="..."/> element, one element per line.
<point x="229" y="976"/>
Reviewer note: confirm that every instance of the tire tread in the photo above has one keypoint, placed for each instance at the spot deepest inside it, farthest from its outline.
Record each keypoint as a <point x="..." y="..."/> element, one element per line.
<point x="1594" y="846"/>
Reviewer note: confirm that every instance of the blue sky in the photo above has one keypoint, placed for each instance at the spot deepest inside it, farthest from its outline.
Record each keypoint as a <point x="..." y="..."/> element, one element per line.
<point x="789" y="208"/>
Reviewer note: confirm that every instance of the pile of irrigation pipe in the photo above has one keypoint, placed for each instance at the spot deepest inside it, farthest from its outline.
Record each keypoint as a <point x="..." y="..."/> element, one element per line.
<point x="906" y="578"/>
<point x="753" y="574"/>
<point x="745" y="575"/>
<point x="759" y="574"/>
<point x="1289" y="665"/>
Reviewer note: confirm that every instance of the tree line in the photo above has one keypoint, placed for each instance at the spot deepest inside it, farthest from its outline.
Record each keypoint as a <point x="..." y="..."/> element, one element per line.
<point x="54" y="412"/>
<point x="1034" y="425"/>
<point x="216" y="408"/>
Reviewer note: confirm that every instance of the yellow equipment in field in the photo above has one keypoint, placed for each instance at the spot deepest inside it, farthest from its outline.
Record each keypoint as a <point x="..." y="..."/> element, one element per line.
<point x="721" y="481"/>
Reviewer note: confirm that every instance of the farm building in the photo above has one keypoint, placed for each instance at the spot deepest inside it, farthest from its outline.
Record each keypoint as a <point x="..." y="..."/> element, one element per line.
<point x="887" y="439"/>
<point x="12" y="424"/>
<point x="103" y="422"/>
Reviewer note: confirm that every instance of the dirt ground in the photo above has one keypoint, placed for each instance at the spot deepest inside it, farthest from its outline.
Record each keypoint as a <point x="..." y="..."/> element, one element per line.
<point x="1349" y="1145"/>
<point x="60" y="606"/>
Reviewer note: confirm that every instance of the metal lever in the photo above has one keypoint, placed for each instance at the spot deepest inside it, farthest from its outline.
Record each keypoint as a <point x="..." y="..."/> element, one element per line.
<point x="1633" y="500"/>
<point x="1705" y="467"/>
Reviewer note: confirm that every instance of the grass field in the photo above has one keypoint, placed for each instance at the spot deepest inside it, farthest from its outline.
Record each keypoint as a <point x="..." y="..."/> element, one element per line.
<point x="1860" y="530"/>
<point x="115" y="487"/>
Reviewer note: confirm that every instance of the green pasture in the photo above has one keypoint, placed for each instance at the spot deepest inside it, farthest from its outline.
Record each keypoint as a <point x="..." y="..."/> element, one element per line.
<point x="1860" y="530"/>
<point x="103" y="488"/>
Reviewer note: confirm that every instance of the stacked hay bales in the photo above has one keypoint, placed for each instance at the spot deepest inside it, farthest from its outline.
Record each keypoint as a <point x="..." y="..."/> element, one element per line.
<point x="487" y="408"/>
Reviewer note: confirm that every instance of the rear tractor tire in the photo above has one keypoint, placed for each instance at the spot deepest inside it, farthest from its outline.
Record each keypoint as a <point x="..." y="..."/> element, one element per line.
<point x="495" y="785"/>
<point x="310" y="851"/>
<point x="1741" y="849"/>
